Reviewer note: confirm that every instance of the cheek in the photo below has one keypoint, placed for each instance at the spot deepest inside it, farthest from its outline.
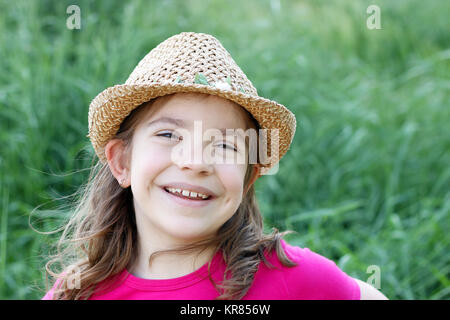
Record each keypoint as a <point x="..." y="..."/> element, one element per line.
<point x="148" y="161"/>
<point x="232" y="178"/>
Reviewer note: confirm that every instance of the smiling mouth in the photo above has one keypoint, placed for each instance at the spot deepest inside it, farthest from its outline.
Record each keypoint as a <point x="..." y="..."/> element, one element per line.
<point x="179" y="195"/>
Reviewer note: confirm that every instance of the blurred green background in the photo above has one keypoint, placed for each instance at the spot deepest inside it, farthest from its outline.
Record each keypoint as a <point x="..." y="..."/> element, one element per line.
<point x="366" y="181"/>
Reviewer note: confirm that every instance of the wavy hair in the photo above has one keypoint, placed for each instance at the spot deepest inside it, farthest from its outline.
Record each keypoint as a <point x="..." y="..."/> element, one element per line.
<point x="100" y="239"/>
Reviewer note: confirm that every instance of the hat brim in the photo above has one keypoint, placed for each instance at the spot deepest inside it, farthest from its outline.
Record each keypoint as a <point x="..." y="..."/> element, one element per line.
<point x="109" y="108"/>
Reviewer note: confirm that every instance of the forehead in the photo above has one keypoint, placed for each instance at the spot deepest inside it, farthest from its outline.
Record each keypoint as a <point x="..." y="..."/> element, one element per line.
<point x="186" y="108"/>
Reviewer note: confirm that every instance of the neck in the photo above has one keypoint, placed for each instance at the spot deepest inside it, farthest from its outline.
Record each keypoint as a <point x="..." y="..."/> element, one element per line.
<point x="168" y="265"/>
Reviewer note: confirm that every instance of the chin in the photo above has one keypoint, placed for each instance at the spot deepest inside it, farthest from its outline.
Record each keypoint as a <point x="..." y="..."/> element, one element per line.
<point x="185" y="229"/>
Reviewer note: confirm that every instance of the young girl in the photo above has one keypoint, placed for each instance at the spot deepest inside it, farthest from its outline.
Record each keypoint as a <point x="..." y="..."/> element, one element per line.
<point x="155" y="222"/>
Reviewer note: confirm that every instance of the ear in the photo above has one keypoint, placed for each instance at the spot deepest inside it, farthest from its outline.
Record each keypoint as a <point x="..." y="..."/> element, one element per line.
<point x="117" y="160"/>
<point x="253" y="177"/>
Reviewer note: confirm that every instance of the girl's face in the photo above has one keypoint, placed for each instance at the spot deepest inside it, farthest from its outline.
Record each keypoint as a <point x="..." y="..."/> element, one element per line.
<point x="160" y="158"/>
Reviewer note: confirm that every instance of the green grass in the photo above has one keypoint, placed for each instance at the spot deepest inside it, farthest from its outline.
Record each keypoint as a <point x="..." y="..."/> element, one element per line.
<point x="366" y="181"/>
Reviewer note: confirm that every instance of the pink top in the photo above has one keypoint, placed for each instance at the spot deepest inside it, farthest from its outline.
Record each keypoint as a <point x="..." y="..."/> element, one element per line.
<point x="314" y="278"/>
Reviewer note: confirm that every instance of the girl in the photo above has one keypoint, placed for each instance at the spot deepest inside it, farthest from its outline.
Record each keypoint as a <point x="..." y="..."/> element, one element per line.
<point x="153" y="223"/>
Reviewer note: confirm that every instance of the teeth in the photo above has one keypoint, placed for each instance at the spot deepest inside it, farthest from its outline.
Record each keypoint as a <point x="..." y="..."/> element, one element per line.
<point x="186" y="193"/>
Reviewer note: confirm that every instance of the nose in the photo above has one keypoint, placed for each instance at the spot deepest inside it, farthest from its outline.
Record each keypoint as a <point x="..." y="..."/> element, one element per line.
<point x="190" y="155"/>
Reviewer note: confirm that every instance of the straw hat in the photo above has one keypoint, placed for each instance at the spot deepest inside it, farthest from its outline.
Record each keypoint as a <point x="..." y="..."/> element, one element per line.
<point x="188" y="62"/>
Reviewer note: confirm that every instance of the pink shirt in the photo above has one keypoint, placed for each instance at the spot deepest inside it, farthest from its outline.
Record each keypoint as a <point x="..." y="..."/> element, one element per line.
<point x="314" y="278"/>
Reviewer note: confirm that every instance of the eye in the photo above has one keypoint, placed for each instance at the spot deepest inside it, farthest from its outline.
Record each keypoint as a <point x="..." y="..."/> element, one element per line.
<point x="165" y="134"/>
<point x="229" y="146"/>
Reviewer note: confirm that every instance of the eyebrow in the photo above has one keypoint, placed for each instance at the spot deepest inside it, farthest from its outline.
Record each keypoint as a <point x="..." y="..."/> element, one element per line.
<point x="181" y="123"/>
<point x="177" y="122"/>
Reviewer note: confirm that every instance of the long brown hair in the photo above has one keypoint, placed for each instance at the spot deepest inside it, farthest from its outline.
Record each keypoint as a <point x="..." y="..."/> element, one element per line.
<point x="100" y="239"/>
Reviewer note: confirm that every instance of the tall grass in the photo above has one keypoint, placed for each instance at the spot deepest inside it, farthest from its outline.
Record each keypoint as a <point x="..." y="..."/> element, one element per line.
<point x="366" y="181"/>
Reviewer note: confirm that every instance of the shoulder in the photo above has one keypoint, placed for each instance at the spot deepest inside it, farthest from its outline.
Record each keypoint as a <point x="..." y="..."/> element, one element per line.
<point x="56" y="285"/>
<point x="317" y="277"/>
<point x="368" y="292"/>
<point x="51" y="292"/>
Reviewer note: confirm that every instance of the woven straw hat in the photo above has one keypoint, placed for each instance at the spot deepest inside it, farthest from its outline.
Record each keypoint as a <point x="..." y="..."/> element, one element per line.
<point x="188" y="62"/>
